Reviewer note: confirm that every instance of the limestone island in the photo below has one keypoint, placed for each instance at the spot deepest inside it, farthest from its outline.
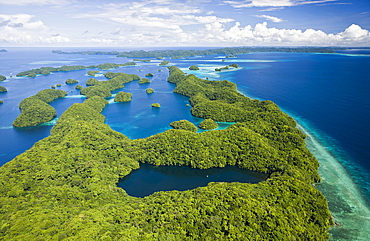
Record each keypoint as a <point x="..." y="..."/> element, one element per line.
<point x="65" y="186"/>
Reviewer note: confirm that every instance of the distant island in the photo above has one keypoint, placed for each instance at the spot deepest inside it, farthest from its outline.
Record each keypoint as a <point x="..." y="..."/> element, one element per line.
<point x="3" y="50"/>
<point x="48" y="70"/>
<point x="188" y="53"/>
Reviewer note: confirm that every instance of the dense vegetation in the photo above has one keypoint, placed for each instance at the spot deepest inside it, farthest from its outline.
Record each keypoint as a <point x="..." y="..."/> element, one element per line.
<point x="64" y="187"/>
<point x="48" y="70"/>
<point x="35" y="110"/>
<point x="2" y="77"/>
<point x="164" y="62"/>
<point x="184" y="125"/>
<point x="149" y="91"/>
<point x="141" y="60"/>
<point x="104" y="88"/>
<point x="194" y="67"/>
<point x="71" y="81"/>
<point x="208" y="124"/>
<point x="149" y="75"/>
<point x="144" y="81"/>
<point x="227" y="67"/>
<point x="123" y="97"/>
<point x="3" y="89"/>
<point x="92" y="81"/>
<point x="92" y="72"/>
<point x="184" y="53"/>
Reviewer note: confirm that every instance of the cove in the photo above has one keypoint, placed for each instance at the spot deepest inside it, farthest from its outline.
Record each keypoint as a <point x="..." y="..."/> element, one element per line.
<point x="149" y="178"/>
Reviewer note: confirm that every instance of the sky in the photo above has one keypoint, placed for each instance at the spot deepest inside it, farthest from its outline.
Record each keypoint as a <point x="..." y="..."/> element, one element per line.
<point x="174" y="23"/>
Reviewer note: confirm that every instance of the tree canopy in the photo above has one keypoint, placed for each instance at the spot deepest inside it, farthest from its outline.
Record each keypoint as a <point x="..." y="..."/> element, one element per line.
<point x="194" y="67"/>
<point x="144" y="81"/>
<point x="123" y="97"/>
<point x="35" y="110"/>
<point x="208" y="124"/>
<point x="3" y="89"/>
<point x="184" y="125"/>
<point x="149" y="91"/>
<point x="71" y="81"/>
<point x="64" y="187"/>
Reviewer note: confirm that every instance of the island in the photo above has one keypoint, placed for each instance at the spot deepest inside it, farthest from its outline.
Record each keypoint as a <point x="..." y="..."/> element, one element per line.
<point x="149" y="91"/>
<point x="123" y="97"/>
<point x="71" y="81"/>
<point x="228" y="52"/>
<point x="156" y="105"/>
<point x="48" y="70"/>
<point x="2" y="77"/>
<point x="65" y="186"/>
<point x="35" y="110"/>
<point x="184" y="125"/>
<point x="78" y="87"/>
<point x="194" y="67"/>
<point x="3" y="89"/>
<point x="164" y="63"/>
<point x="144" y="81"/>
<point x="103" y="88"/>
<point x="141" y="60"/>
<point x="92" y="72"/>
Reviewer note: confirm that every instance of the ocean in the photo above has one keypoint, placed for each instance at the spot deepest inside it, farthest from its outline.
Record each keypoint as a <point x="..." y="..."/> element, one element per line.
<point x="328" y="95"/>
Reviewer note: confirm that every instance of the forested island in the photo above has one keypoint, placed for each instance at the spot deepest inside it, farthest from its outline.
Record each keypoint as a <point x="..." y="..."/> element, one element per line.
<point x="188" y="53"/>
<point x="48" y="70"/>
<point x="35" y="110"/>
<point x="65" y="186"/>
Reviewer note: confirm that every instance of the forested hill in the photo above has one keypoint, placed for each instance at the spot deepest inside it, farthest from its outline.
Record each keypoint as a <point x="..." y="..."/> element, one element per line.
<point x="64" y="187"/>
<point x="188" y="53"/>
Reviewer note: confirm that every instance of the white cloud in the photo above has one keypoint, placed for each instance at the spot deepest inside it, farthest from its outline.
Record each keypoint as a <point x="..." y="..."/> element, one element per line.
<point x="355" y="32"/>
<point x="260" y="3"/>
<point x="261" y="34"/>
<point x="272" y="9"/>
<point x="34" y="2"/>
<point x="273" y="3"/>
<point x="170" y="23"/>
<point x="23" y="30"/>
<point x="271" y="18"/>
<point x="116" y="32"/>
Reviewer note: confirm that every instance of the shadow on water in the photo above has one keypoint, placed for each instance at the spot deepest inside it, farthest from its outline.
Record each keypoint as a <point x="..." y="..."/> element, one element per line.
<point x="149" y="178"/>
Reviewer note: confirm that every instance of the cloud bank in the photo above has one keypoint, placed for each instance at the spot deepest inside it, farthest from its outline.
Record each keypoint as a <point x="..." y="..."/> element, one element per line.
<point x="20" y="29"/>
<point x="168" y="23"/>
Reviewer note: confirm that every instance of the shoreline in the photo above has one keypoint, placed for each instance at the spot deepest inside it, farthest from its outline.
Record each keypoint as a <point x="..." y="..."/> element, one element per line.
<point x="349" y="206"/>
<point x="346" y="202"/>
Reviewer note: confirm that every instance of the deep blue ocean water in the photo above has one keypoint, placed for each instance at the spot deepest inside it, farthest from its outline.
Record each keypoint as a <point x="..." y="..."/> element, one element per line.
<point x="328" y="94"/>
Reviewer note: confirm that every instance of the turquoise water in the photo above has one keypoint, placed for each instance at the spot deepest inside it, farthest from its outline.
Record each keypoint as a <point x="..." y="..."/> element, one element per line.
<point x="326" y="93"/>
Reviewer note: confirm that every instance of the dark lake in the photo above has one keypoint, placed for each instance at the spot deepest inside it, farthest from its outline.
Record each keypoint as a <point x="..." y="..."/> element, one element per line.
<point x="149" y="178"/>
